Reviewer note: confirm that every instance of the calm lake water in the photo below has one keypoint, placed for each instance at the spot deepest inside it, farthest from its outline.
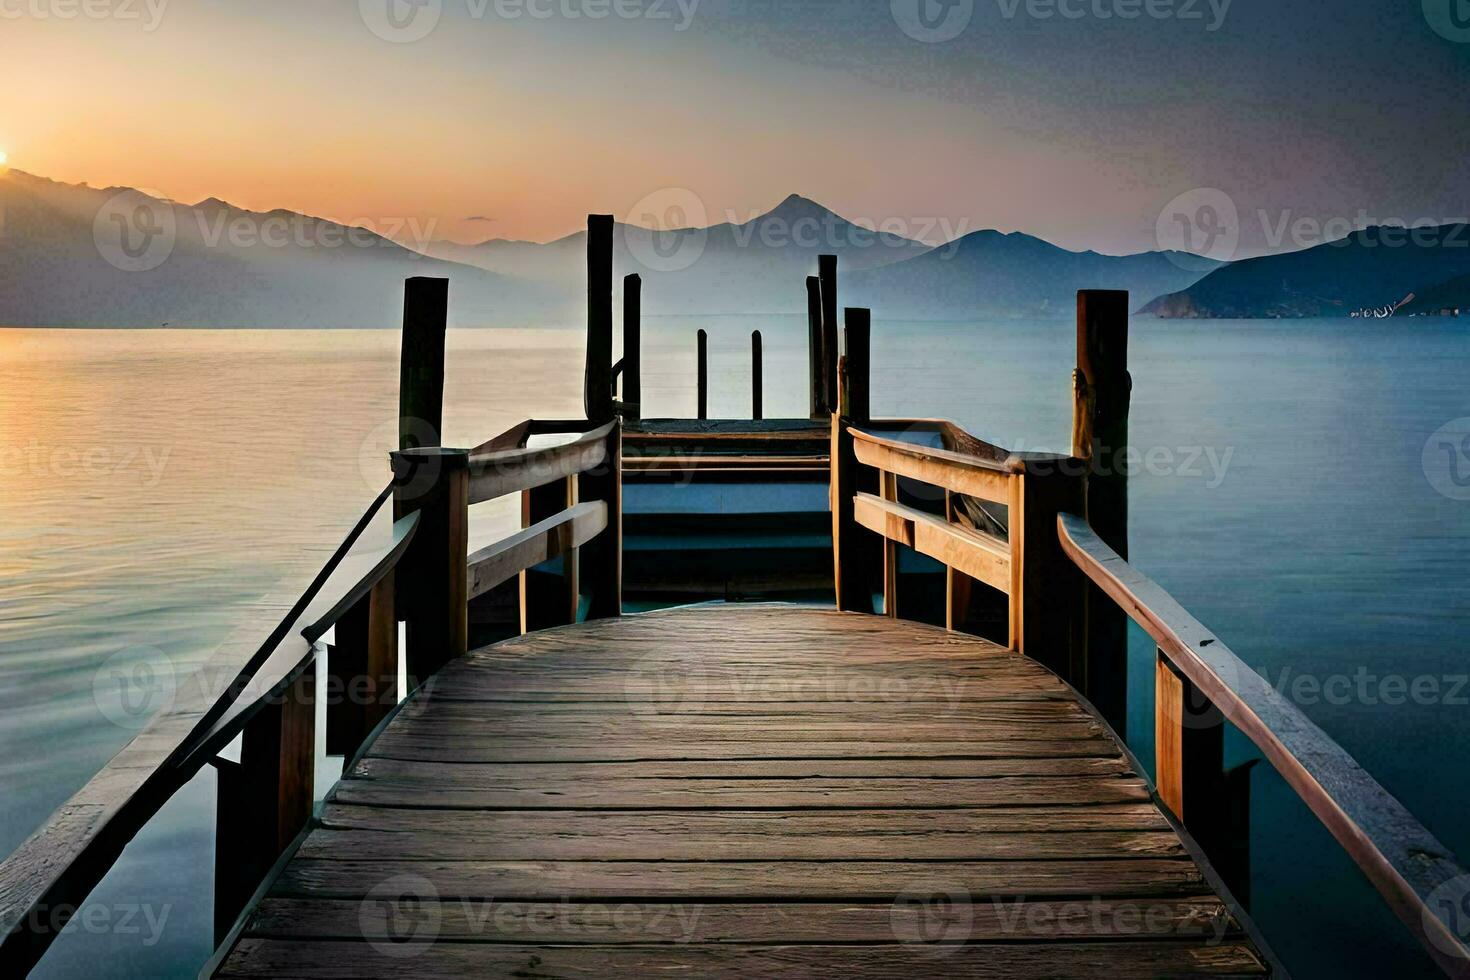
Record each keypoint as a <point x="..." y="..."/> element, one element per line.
<point x="152" y="482"/>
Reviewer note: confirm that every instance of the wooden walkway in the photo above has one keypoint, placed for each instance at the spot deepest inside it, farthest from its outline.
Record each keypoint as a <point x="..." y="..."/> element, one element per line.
<point x="736" y="792"/>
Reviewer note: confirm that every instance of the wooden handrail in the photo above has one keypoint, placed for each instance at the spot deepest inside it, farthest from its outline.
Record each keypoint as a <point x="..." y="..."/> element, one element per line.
<point x="502" y="561"/>
<point x="980" y="556"/>
<point x="496" y="472"/>
<point x="62" y="861"/>
<point x="1401" y="858"/>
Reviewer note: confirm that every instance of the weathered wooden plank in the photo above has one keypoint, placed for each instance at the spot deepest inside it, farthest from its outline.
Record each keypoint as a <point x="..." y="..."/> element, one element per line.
<point x="482" y="790"/>
<point x="444" y="747"/>
<point x="499" y="472"/>
<point x="551" y="538"/>
<point x="350" y="961"/>
<point x="858" y="835"/>
<point x="474" y="921"/>
<point x="744" y="880"/>
<point x="971" y="475"/>
<point x="855" y="768"/>
<point x="978" y="555"/>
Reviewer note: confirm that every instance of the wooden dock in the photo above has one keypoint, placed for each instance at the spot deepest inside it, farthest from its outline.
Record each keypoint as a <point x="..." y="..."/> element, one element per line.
<point x="909" y="767"/>
<point x="739" y="791"/>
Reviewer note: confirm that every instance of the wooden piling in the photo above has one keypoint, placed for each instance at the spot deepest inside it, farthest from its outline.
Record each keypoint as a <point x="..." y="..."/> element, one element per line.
<point x="816" y="349"/>
<point x="827" y="274"/>
<point x="633" y="347"/>
<point x="432" y="579"/>
<point x="362" y="667"/>
<point x="598" y="388"/>
<point x="702" y="374"/>
<point x="857" y="337"/>
<point x="757" y="378"/>
<point x="1102" y="394"/>
<point x="421" y="363"/>
<point x="602" y="557"/>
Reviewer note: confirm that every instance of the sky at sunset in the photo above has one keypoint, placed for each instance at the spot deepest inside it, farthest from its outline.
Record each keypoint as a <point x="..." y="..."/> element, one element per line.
<point x="1062" y="118"/>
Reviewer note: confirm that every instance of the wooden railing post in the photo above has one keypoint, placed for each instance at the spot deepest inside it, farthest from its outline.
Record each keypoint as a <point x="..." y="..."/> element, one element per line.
<point x="421" y="363"/>
<point x="602" y="557"/>
<point x="433" y="578"/>
<point x="633" y="346"/>
<point x="852" y="571"/>
<point x="757" y="378"/>
<point x="598" y="389"/>
<point x="701" y="380"/>
<point x="957" y="585"/>
<point x="265" y="800"/>
<point x="362" y="667"/>
<point x="827" y="274"/>
<point x="1046" y="587"/>
<point x="1103" y="390"/>
<point x="550" y="600"/>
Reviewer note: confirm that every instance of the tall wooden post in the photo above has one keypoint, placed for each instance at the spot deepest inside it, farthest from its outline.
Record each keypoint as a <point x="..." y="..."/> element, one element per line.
<point x="827" y="273"/>
<point x="433" y="577"/>
<point x="857" y="336"/>
<point x="816" y="349"/>
<point x="602" y="557"/>
<point x="1102" y="395"/>
<point x="598" y="389"/>
<point x="1047" y="590"/>
<point x="633" y="346"/>
<point x="421" y="363"/>
<point x="757" y="378"/>
<point x="702" y="374"/>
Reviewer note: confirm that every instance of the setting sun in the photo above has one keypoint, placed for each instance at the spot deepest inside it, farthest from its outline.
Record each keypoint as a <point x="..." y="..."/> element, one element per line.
<point x="4" y="158"/>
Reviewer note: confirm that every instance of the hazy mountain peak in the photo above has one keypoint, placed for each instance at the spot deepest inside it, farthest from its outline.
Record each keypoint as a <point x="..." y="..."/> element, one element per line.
<point x="797" y="208"/>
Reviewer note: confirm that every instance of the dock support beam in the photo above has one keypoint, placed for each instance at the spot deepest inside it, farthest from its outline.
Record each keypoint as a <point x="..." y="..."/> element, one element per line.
<point x="633" y="347"/>
<point x="857" y="366"/>
<point x="827" y="274"/>
<point x="433" y="577"/>
<point x="421" y="363"/>
<point x="549" y="600"/>
<point x="1103" y="392"/>
<point x="757" y="378"/>
<point x="362" y="667"/>
<point x="598" y="390"/>
<point x="701" y="370"/>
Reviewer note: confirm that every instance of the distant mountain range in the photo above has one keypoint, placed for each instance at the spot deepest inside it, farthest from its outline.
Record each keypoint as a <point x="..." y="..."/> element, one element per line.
<point x="72" y="255"/>
<point x="1376" y="268"/>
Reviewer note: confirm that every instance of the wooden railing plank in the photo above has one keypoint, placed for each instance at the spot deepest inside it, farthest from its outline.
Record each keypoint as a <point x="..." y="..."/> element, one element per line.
<point x="1400" y="857"/>
<point x="504" y="560"/>
<point x="977" y="555"/>
<point x="961" y="473"/>
<point x="497" y="473"/>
